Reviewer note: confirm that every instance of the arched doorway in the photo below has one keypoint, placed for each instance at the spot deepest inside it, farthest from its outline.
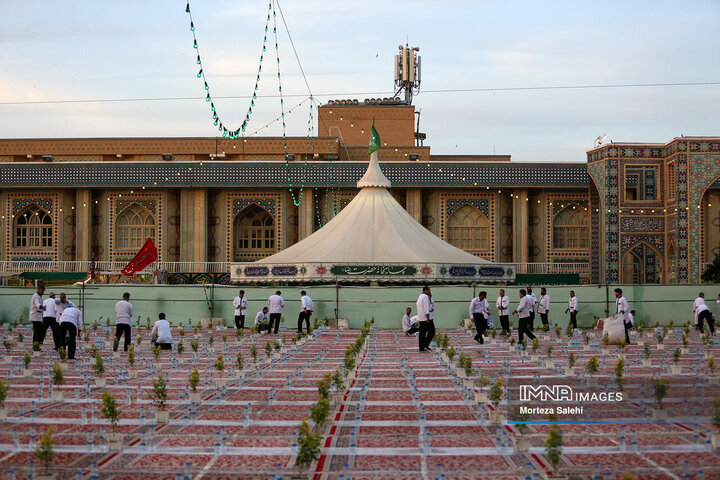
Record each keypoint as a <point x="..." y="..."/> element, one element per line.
<point x="642" y="265"/>
<point x="253" y="234"/>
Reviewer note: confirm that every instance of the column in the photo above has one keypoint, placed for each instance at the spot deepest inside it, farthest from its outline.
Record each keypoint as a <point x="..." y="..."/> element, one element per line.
<point x="413" y="203"/>
<point x="83" y="225"/>
<point x="193" y="225"/>
<point x="520" y="226"/>
<point x="306" y="214"/>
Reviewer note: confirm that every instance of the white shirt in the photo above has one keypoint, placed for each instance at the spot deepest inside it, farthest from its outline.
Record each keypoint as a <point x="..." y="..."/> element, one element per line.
<point x="72" y="315"/>
<point x="533" y="301"/>
<point x="306" y="302"/>
<point x="423" y="307"/>
<point x="622" y="305"/>
<point x="523" y="308"/>
<point x="49" y="305"/>
<point x="161" y="331"/>
<point x="698" y="301"/>
<point x="408" y="321"/>
<point x="702" y="307"/>
<point x="432" y="309"/>
<point x="261" y="318"/>
<point x="60" y="306"/>
<point x="36" y="312"/>
<point x="503" y="305"/>
<point x="478" y="306"/>
<point x="276" y="304"/>
<point x="631" y="318"/>
<point x="544" y="304"/>
<point x="573" y="304"/>
<point x="123" y="312"/>
<point x="240" y="305"/>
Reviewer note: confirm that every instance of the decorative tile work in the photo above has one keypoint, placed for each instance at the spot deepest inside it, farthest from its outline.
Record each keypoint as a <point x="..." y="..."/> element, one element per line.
<point x="555" y="204"/>
<point x="449" y="202"/>
<point x="703" y="171"/>
<point x="340" y="201"/>
<point x="77" y="158"/>
<point x="629" y="241"/>
<point x="236" y="202"/>
<point x="642" y="224"/>
<point x="118" y="202"/>
<point x="595" y="235"/>
<point x="16" y="203"/>
<point x="683" y="268"/>
<point x="645" y="174"/>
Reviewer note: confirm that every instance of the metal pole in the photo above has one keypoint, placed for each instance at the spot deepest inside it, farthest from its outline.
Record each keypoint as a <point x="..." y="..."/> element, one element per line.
<point x="337" y="299"/>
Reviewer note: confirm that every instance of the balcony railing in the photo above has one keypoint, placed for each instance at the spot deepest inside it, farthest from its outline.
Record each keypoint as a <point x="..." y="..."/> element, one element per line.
<point x="20" y="266"/>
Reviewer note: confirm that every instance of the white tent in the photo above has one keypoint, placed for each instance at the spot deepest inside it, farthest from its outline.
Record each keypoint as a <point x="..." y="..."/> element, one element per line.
<point x="372" y="238"/>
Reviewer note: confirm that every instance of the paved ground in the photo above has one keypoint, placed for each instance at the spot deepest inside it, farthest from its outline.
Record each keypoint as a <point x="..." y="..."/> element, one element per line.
<point x="407" y="415"/>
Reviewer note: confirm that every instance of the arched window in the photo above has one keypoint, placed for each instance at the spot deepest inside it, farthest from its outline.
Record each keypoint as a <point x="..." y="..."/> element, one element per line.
<point x="33" y="228"/>
<point x="570" y="229"/>
<point x="254" y="233"/>
<point x="133" y="226"/>
<point x="468" y="228"/>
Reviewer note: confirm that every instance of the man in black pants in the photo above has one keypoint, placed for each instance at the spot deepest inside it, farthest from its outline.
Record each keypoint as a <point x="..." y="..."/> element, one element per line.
<point x="275" y="304"/>
<point x="123" y="319"/>
<point x="424" y="322"/>
<point x="523" y="313"/>
<point x="306" y="309"/>
<point x="533" y="300"/>
<point x="36" y="315"/>
<point x="704" y="313"/>
<point x="70" y="328"/>
<point x="478" y="312"/>
<point x="240" y="303"/>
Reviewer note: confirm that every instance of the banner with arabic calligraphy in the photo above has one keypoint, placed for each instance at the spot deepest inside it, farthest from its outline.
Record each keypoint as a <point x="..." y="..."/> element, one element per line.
<point x="373" y="270"/>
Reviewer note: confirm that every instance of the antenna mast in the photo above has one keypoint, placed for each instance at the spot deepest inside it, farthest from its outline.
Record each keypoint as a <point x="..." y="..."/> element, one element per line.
<point x="407" y="72"/>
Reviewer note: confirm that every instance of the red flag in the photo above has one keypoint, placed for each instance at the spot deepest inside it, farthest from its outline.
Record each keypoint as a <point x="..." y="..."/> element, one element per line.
<point x="146" y="255"/>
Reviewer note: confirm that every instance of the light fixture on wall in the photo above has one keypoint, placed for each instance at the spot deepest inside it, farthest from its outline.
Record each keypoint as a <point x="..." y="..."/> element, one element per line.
<point x="167" y="156"/>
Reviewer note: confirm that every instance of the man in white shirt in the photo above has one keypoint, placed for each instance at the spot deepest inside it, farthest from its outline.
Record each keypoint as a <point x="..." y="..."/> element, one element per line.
<point x="306" y="309"/>
<point x="503" y="306"/>
<point x="161" y="334"/>
<point x="61" y="304"/>
<point x="703" y="313"/>
<point x="123" y="319"/>
<point x="36" y="314"/>
<point x="50" y="319"/>
<point x="478" y="312"/>
<point x="533" y="300"/>
<point x="240" y="303"/>
<point x="544" y="307"/>
<point x="70" y="327"/>
<point x="423" y="314"/>
<point x="261" y="321"/>
<point x="431" y="326"/>
<point x="276" y="304"/>
<point x="700" y="300"/>
<point x="623" y="308"/>
<point x="408" y="322"/>
<point x="523" y="313"/>
<point x="572" y="308"/>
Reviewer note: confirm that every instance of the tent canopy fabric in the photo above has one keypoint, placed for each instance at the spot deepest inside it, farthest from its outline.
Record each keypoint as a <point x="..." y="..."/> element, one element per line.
<point x="373" y="228"/>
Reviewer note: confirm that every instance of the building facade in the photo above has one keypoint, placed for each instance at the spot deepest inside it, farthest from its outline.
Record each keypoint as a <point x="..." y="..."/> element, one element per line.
<point x="630" y="213"/>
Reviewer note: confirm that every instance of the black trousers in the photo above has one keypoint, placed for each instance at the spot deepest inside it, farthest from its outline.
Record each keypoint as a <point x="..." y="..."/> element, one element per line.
<point x="544" y="319"/>
<point x="51" y="322"/>
<point x="261" y="327"/>
<point x="705" y="315"/>
<point x="120" y="329"/>
<point x="427" y="332"/>
<point x="505" y="323"/>
<point x="68" y="332"/>
<point x="412" y="330"/>
<point x="573" y="319"/>
<point x="163" y="346"/>
<point x="274" y="321"/>
<point x="480" y="326"/>
<point x="524" y="329"/>
<point x="531" y="321"/>
<point x="628" y="326"/>
<point x="304" y="316"/>
<point x="239" y="322"/>
<point x="38" y="332"/>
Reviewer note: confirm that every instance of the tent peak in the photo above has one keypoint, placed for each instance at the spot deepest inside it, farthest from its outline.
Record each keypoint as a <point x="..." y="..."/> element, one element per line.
<point x="374" y="177"/>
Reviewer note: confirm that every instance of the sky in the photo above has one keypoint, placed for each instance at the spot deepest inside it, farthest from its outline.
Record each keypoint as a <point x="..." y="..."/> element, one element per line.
<point x="56" y="53"/>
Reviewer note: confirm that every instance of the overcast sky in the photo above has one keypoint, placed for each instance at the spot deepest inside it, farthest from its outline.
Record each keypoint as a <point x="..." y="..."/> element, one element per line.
<point x="83" y="50"/>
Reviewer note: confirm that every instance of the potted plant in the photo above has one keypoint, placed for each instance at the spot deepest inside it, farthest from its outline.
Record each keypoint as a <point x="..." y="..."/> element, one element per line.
<point x="324" y="385"/>
<point x="45" y="453"/>
<point x="481" y="395"/>
<point x="99" y="368"/>
<point x="569" y="331"/>
<point x="711" y="367"/>
<point x="239" y="334"/>
<point x="646" y="361"/>
<point x="467" y="367"/>
<point x="180" y="348"/>
<point x="224" y="338"/>
<point x="661" y="338"/>
<point x="522" y="443"/>
<point x="320" y="411"/>
<point x="211" y="342"/>
<point x="4" y="387"/>
<point x="592" y="367"/>
<point x="240" y="365"/>
<point x="8" y="348"/>
<point x="219" y="367"/>
<point x="20" y="337"/>
<point x="660" y="388"/>
<point x="277" y="346"/>
<point x="57" y="380"/>
<point x="339" y="392"/>
<point x="621" y="346"/>
<point x="268" y="349"/>
<point x="159" y="398"/>
<point x="309" y="448"/>
<point x="606" y="343"/>
<point x="685" y="343"/>
<point x="254" y="352"/>
<point x="716" y="421"/>
<point x="181" y="332"/>
<point x="553" y="448"/>
<point x="618" y="370"/>
<point x="112" y="414"/>
<point x="62" y="354"/>
<point x="558" y="330"/>
<point x="132" y="373"/>
<point x="451" y="353"/>
<point x="194" y="345"/>
<point x="36" y="349"/>
<point x="27" y="358"/>
<point x="116" y="344"/>
<point x="570" y="371"/>
<point x="156" y="353"/>
<point x="586" y="341"/>
<point x="496" y="396"/>
<point x="461" y="365"/>
<point x="194" y="380"/>
<point x="535" y="346"/>
<point x="676" y="369"/>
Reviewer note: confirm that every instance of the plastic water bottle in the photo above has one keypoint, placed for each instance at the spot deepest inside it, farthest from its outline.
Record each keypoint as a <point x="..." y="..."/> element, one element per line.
<point x="293" y="443"/>
<point x="15" y="440"/>
<point x="90" y="440"/>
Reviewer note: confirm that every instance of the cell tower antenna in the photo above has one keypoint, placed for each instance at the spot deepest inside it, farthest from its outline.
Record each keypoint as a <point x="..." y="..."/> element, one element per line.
<point x="407" y="71"/>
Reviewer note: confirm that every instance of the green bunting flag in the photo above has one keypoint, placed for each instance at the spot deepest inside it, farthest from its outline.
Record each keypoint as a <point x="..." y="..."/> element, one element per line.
<point x="374" y="140"/>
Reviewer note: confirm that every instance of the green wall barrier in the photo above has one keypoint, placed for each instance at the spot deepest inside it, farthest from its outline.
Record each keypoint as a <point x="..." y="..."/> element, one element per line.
<point x="653" y="303"/>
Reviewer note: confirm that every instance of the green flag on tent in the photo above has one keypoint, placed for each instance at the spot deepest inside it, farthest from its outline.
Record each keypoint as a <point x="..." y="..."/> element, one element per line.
<point x="374" y="140"/>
